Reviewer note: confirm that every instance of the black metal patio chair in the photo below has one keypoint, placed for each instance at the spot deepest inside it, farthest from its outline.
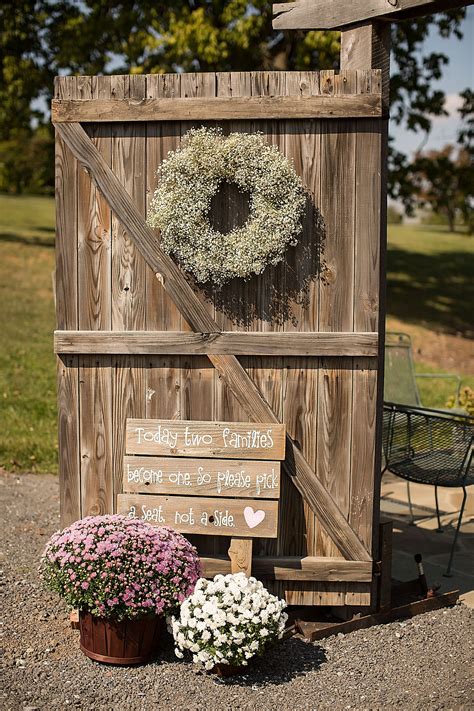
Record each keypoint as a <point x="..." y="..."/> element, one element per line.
<point x="430" y="447"/>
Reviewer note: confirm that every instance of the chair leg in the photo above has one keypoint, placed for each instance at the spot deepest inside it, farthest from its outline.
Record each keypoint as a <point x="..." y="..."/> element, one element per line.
<point x="440" y="528"/>
<point x="447" y="574"/>
<point x="410" y="506"/>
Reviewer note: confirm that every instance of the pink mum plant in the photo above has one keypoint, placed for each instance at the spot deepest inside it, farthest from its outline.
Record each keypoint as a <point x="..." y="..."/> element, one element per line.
<point x="113" y="566"/>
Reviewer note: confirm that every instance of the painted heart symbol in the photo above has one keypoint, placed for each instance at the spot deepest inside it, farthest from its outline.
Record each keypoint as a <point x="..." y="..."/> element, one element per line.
<point x="253" y="518"/>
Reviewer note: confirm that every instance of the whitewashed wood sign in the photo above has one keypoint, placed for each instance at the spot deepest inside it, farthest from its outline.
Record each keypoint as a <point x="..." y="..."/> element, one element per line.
<point x="214" y="478"/>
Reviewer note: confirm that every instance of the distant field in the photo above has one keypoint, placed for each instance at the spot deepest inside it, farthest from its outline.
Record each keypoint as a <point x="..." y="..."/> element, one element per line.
<point x="429" y="295"/>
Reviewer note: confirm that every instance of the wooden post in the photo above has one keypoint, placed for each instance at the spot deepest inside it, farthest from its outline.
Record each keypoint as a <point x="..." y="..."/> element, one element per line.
<point x="384" y="595"/>
<point x="367" y="46"/>
<point x="240" y="554"/>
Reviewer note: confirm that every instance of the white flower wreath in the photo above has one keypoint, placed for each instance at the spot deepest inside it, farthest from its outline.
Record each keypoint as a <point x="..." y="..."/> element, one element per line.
<point x="189" y="178"/>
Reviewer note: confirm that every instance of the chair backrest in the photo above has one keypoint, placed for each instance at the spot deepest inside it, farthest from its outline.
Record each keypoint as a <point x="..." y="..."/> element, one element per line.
<point x="400" y="383"/>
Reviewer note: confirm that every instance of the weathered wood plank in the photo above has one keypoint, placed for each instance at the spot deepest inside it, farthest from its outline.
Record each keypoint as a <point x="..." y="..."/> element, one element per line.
<point x="216" y="108"/>
<point x="211" y="517"/>
<point x="197" y="393"/>
<point x="323" y="15"/>
<point x="301" y="289"/>
<point x="336" y="306"/>
<point x="228" y="440"/>
<point x="94" y="309"/>
<point x="229" y="368"/>
<point x="163" y="374"/>
<point x="66" y="170"/>
<point x="287" y="568"/>
<point x="66" y="317"/>
<point x="129" y="295"/>
<point x="124" y="208"/>
<point x="240" y="554"/>
<point x="68" y="436"/>
<point x="202" y="477"/>
<point x="301" y="473"/>
<point x="230" y="342"/>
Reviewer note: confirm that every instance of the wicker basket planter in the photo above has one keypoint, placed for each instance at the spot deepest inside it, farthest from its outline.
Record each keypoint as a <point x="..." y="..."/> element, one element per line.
<point x="125" y="643"/>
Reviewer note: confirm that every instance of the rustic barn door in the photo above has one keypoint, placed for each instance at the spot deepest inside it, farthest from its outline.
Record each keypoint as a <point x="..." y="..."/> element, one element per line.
<point x="298" y="345"/>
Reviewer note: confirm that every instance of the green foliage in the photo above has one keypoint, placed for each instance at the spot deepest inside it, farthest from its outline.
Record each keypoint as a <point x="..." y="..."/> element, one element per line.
<point x="444" y="182"/>
<point x="40" y="39"/>
<point x="466" y="400"/>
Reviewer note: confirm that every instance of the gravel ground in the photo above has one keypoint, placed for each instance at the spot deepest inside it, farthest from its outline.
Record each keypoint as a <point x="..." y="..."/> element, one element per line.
<point x="424" y="663"/>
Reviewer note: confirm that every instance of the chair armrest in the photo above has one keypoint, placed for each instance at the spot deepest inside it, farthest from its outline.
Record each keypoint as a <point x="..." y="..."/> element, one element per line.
<point x="444" y="376"/>
<point x="429" y="412"/>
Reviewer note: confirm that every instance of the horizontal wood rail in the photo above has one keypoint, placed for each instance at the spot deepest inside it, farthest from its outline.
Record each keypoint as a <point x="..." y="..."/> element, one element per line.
<point x="217" y="109"/>
<point x="336" y="14"/>
<point x="228" y="342"/>
<point x="296" y="568"/>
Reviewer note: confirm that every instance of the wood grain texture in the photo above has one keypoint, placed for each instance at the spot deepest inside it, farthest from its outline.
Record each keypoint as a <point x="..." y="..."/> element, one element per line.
<point x="270" y="343"/>
<point x="228" y="366"/>
<point x="218" y="109"/>
<point x="204" y="516"/>
<point x="336" y="306"/>
<point x="294" y="568"/>
<point x="95" y="372"/>
<point x="302" y="266"/>
<point x="321" y="15"/>
<point x="202" y="477"/>
<point x="297" y="392"/>
<point x="125" y="209"/>
<point x="129" y="294"/>
<point x="240" y="554"/>
<point x="228" y="440"/>
<point x="68" y="437"/>
<point x="66" y="317"/>
<point x="163" y="374"/>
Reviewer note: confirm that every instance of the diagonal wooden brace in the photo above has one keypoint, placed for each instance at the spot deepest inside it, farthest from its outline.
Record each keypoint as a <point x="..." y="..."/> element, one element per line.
<point x="199" y="319"/>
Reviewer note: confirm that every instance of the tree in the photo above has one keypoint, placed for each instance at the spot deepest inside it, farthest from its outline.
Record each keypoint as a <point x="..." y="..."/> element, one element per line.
<point x="41" y="38"/>
<point x="443" y="181"/>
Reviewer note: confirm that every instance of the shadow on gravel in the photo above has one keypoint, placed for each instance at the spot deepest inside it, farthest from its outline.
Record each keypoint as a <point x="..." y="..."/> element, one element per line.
<point x="280" y="665"/>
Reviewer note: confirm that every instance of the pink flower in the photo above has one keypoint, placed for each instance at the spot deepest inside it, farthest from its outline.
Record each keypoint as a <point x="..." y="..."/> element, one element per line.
<point x="131" y="566"/>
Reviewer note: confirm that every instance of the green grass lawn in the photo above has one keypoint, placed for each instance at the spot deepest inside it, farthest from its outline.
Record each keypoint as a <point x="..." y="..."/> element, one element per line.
<point x="428" y="284"/>
<point x="430" y="278"/>
<point x="27" y="362"/>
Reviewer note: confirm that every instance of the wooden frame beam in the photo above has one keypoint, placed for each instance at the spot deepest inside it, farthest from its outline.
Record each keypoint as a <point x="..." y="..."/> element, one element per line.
<point x="221" y="109"/>
<point x="337" y="14"/>
<point x="297" y="568"/>
<point x="194" y="311"/>
<point x="226" y="343"/>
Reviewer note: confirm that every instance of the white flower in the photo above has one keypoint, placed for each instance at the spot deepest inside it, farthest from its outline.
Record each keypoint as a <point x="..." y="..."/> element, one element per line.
<point x="189" y="178"/>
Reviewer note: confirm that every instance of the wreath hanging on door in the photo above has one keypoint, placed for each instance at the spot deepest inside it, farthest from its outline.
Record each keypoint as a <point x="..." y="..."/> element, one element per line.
<point x="190" y="177"/>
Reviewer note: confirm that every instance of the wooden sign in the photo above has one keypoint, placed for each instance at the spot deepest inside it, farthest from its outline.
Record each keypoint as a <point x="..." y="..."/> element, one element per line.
<point x="215" y="517"/>
<point x="214" y="478"/>
<point x="229" y="440"/>
<point x="202" y="477"/>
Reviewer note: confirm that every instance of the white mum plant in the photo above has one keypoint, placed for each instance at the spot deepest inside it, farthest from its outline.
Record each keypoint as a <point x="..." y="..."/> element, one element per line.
<point x="228" y="620"/>
<point x="189" y="178"/>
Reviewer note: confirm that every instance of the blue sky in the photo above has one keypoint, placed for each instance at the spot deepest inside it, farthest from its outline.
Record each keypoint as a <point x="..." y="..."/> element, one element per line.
<point x="457" y="76"/>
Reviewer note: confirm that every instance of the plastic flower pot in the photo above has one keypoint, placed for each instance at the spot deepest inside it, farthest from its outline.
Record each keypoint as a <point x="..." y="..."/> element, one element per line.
<point x="126" y="642"/>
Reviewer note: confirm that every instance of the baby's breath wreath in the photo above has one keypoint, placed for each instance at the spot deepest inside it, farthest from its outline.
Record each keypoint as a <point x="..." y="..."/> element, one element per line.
<point x="191" y="176"/>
